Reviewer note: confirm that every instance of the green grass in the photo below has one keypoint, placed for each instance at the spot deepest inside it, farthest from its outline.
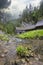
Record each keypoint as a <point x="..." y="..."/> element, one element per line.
<point x="31" y="34"/>
<point x="4" y="37"/>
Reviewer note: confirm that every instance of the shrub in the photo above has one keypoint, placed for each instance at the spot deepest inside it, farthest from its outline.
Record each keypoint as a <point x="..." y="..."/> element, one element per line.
<point x="1" y="26"/>
<point x="24" y="51"/>
<point x="9" y="28"/>
<point x="21" y="50"/>
<point x="4" y="37"/>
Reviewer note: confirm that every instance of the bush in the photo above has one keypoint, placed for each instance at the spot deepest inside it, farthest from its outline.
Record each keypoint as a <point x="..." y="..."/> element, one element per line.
<point x="1" y="26"/>
<point x="24" y="51"/>
<point x="21" y="50"/>
<point x="9" y="28"/>
<point x="4" y="37"/>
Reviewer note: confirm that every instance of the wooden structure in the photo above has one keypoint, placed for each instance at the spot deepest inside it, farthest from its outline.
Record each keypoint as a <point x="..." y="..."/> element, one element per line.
<point x="27" y="27"/>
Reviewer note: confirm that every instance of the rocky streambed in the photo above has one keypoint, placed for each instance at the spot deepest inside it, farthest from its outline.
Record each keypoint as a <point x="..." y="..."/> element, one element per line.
<point x="8" y="52"/>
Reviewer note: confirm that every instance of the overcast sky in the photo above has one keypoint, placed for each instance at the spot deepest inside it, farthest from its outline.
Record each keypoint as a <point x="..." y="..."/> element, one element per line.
<point x="17" y="6"/>
<point x="21" y="4"/>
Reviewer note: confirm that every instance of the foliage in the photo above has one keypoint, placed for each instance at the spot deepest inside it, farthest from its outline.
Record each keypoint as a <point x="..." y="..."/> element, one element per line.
<point x="9" y="28"/>
<point x="30" y="15"/>
<point x="33" y="14"/>
<point x="1" y="26"/>
<point x="25" y="15"/>
<point x="4" y="37"/>
<point x="31" y="34"/>
<point x="41" y="8"/>
<point x="24" y="51"/>
<point x="21" y="50"/>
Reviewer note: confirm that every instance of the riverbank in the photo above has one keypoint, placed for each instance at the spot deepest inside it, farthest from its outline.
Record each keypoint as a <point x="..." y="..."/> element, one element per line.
<point x="8" y="49"/>
<point x="8" y="54"/>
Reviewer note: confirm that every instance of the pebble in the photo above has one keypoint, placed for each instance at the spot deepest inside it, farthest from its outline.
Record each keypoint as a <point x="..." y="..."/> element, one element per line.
<point x="30" y="63"/>
<point x="23" y="60"/>
<point x="36" y="59"/>
<point x="2" y="55"/>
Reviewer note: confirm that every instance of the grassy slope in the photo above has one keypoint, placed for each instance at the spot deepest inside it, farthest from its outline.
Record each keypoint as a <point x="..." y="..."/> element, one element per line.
<point x="31" y="34"/>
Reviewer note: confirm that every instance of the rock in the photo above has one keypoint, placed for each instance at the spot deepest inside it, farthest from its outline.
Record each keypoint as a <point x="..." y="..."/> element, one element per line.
<point x="41" y="38"/>
<point x="30" y="63"/>
<point x="32" y="54"/>
<point x="23" y="60"/>
<point x="27" y="55"/>
<point x="5" y="51"/>
<point x="17" y="62"/>
<point x="10" y="41"/>
<point x="39" y="56"/>
<point x="27" y="59"/>
<point x="0" y="51"/>
<point x="20" y="62"/>
<point x="0" y="44"/>
<point x="35" y="55"/>
<point x="2" y="55"/>
<point x="36" y="58"/>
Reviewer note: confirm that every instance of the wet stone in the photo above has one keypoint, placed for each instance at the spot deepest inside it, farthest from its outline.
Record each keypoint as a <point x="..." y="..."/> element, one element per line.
<point x="2" y="55"/>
